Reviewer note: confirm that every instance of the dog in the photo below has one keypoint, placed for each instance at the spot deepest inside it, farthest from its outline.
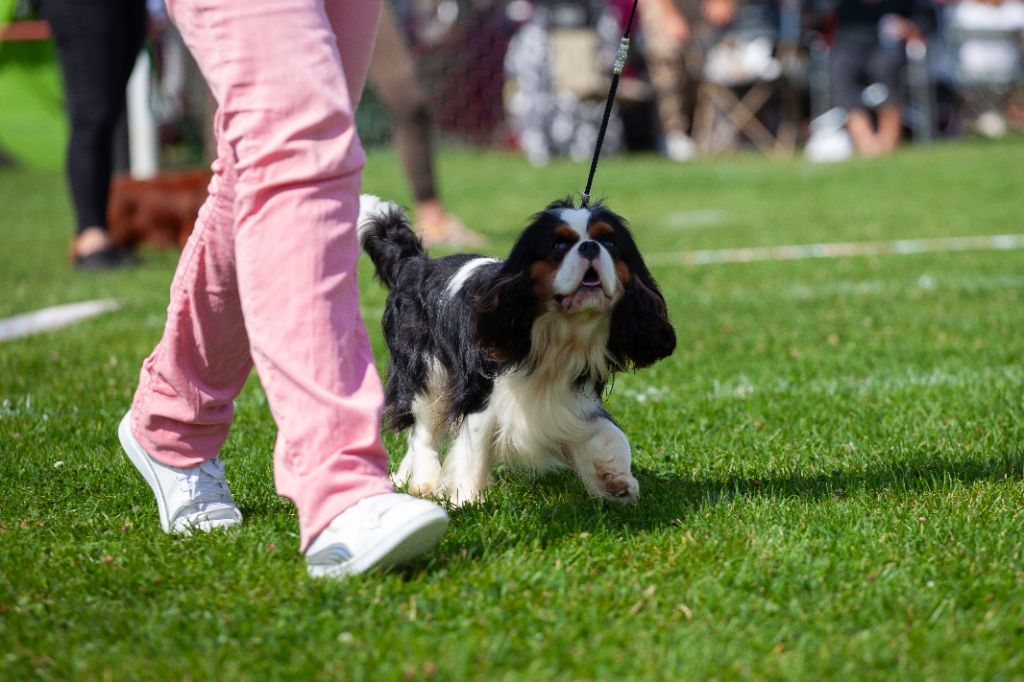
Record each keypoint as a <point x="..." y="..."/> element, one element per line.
<point x="507" y="360"/>
<point x="160" y="211"/>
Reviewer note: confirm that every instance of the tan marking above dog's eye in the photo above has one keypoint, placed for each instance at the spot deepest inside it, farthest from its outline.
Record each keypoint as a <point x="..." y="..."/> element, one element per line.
<point x="566" y="233"/>
<point x="601" y="229"/>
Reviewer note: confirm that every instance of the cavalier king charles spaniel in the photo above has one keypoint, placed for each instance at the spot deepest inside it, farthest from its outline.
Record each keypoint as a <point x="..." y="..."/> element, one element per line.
<point x="505" y="361"/>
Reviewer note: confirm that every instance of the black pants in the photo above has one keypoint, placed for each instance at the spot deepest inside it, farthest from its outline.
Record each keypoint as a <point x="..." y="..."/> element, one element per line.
<point x="97" y="43"/>
<point x="858" y="60"/>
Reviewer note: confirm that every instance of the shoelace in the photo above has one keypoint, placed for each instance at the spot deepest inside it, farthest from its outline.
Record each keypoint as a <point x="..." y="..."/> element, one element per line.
<point x="206" y="484"/>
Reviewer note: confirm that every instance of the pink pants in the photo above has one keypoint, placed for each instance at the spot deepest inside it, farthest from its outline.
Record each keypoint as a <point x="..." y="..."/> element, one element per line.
<point x="269" y="274"/>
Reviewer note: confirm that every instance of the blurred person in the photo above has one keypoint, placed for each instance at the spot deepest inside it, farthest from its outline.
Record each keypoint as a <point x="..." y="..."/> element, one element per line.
<point x="558" y="70"/>
<point x="666" y="37"/>
<point x="394" y="80"/>
<point x="865" y="68"/>
<point x="97" y="42"/>
<point x="268" y="279"/>
<point x="719" y="13"/>
<point x="673" y="52"/>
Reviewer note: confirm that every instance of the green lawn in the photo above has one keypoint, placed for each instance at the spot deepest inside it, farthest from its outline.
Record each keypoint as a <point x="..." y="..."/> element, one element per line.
<point x="32" y="125"/>
<point x="831" y="464"/>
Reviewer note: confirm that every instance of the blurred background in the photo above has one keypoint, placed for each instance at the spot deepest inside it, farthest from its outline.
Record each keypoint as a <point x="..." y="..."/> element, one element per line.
<point x="831" y="459"/>
<point x="704" y="78"/>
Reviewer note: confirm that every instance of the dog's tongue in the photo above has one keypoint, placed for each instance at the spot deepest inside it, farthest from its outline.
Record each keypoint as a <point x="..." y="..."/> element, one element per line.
<point x="567" y="300"/>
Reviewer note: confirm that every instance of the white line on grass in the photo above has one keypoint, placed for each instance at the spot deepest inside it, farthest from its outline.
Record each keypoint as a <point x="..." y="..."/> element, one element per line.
<point x="924" y="283"/>
<point x="741" y="387"/>
<point x="54" y="317"/>
<point x="692" y="220"/>
<point x="899" y="247"/>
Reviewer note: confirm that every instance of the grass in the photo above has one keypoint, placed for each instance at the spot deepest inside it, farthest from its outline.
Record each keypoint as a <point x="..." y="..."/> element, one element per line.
<point x="32" y="125"/>
<point x="831" y="464"/>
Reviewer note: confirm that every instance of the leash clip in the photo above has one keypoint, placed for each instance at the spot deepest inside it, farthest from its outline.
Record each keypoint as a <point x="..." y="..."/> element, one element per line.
<point x="621" y="55"/>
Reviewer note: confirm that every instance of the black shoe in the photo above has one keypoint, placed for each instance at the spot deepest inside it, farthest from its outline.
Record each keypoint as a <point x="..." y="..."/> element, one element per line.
<point x="107" y="258"/>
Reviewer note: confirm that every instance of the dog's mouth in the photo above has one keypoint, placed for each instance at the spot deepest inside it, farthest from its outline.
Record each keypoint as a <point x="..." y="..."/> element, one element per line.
<point x="591" y="280"/>
<point x="589" y="294"/>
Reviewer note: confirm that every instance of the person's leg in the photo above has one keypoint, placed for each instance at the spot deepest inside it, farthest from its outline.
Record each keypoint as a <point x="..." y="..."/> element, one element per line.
<point x="885" y="65"/>
<point x="890" y="128"/>
<point x="393" y="77"/>
<point x="862" y="132"/>
<point x="97" y="41"/>
<point x="286" y="97"/>
<point x="184" y="403"/>
<point x="846" y="64"/>
<point x="665" y="33"/>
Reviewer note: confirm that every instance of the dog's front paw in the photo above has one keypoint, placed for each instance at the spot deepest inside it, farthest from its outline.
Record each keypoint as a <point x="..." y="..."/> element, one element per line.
<point x="619" y="486"/>
<point x="419" y="473"/>
<point x="461" y="496"/>
<point x="418" y="488"/>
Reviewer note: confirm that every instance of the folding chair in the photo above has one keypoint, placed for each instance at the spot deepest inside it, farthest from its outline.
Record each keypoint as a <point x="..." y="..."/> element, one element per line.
<point x="987" y="44"/>
<point x="745" y="91"/>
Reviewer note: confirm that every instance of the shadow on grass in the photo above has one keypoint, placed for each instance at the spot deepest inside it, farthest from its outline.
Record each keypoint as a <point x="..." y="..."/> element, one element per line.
<point x="542" y="511"/>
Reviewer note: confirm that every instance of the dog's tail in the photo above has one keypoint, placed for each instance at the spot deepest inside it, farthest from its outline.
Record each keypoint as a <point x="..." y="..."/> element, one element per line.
<point x="386" y="237"/>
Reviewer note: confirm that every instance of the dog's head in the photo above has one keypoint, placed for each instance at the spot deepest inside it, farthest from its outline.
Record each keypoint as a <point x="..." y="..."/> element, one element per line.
<point x="576" y="263"/>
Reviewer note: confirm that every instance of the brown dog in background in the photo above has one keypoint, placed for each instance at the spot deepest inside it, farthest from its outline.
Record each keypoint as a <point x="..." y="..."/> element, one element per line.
<point x="160" y="211"/>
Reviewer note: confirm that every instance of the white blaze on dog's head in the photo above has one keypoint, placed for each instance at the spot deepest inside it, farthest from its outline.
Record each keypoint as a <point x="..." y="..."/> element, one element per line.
<point x="577" y="219"/>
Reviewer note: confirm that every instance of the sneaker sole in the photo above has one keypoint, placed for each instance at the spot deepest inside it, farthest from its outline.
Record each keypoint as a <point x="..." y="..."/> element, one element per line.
<point x="140" y="460"/>
<point x="420" y="535"/>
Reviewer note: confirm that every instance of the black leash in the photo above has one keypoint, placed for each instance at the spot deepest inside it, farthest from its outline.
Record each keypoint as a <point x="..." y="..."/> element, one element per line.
<point x="620" y="62"/>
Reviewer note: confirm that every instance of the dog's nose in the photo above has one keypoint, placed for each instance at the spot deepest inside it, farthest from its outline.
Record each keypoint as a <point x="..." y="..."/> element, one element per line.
<point x="589" y="250"/>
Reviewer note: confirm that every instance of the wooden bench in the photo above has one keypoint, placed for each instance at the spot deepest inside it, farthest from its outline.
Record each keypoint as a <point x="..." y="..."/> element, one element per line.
<point x="24" y="31"/>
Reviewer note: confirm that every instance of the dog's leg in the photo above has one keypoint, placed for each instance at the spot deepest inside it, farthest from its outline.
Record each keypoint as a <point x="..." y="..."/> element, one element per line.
<point x="603" y="463"/>
<point x="467" y="468"/>
<point x="420" y="469"/>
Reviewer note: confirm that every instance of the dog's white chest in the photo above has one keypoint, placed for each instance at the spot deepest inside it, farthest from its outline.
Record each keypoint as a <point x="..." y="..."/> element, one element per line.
<point x="534" y="421"/>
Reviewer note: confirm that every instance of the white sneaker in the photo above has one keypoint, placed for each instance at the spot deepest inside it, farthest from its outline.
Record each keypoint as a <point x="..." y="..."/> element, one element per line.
<point x="679" y="147"/>
<point x="196" y="498"/>
<point x="829" y="147"/>
<point x="377" y="532"/>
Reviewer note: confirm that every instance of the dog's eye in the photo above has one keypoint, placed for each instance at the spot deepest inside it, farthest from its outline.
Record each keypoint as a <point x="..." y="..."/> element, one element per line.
<point x="607" y="242"/>
<point x="560" y="246"/>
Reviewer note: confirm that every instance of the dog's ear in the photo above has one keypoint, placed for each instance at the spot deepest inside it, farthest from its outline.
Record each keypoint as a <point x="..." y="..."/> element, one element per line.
<point x="503" y="314"/>
<point x="641" y="332"/>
